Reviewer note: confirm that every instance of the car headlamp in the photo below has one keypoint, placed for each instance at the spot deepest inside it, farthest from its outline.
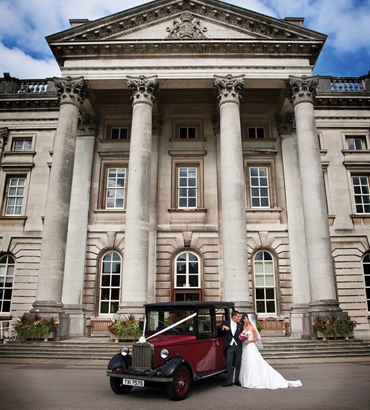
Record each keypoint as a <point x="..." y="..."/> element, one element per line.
<point x="164" y="353"/>
<point x="125" y="351"/>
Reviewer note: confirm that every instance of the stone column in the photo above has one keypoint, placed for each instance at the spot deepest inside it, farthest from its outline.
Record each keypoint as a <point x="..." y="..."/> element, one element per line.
<point x="319" y="256"/>
<point x="296" y="231"/>
<point x="78" y="224"/>
<point x="54" y="237"/>
<point x="234" y="235"/>
<point x="136" y="253"/>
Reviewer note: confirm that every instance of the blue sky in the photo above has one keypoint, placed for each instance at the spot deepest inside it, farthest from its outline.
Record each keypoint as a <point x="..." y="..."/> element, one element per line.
<point x="24" y="24"/>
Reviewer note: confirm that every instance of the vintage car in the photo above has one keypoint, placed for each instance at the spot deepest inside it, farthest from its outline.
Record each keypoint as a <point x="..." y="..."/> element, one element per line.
<point x="180" y="344"/>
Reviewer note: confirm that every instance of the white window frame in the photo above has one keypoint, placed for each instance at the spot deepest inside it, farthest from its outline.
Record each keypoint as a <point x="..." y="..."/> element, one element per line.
<point x="185" y="187"/>
<point x="111" y="187"/>
<point x="264" y="280"/>
<point x="109" y="294"/>
<point x="26" y="146"/>
<point x="259" y="192"/>
<point x="256" y="130"/>
<point x="193" y="123"/>
<point x="366" y="263"/>
<point x="187" y="274"/>
<point x="19" y="195"/>
<point x="7" y="271"/>
<point x="121" y="131"/>
<point x="361" y="193"/>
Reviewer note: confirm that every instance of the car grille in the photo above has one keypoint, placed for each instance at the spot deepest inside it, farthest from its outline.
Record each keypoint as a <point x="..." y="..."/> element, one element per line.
<point x="142" y="355"/>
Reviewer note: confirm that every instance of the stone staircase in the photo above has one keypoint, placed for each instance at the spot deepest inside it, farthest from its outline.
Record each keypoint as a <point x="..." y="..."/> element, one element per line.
<point x="275" y="349"/>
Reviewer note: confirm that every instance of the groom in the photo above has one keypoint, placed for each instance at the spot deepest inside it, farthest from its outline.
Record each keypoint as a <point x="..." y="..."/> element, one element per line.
<point x="233" y="347"/>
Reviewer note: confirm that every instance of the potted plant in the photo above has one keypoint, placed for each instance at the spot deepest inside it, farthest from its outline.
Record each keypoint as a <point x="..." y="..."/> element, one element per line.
<point x="128" y="328"/>
<point x="35" y="327"/>
<point x="335" y="327"/>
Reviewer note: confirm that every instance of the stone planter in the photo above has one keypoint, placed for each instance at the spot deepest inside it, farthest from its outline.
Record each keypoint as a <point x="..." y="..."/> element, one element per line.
<point x="115" y="338"/>
<point x="48" y="336"/>
<point x="320" y="335"/>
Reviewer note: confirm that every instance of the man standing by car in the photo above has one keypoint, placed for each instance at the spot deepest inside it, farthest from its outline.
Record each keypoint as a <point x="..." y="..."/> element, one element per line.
<point x="233" y="347"/>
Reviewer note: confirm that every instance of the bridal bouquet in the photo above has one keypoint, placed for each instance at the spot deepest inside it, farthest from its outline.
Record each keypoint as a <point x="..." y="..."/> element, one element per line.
<point x="243" y="335"/>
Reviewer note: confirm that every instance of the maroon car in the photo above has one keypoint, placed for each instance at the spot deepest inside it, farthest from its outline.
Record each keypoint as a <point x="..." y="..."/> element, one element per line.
<point x="181" y="345"/>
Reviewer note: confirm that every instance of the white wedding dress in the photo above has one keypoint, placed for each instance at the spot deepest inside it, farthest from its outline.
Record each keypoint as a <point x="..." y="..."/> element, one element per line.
<point x="256" y="373"/>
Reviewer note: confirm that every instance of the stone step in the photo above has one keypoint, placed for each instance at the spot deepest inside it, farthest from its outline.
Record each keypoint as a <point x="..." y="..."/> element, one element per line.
<point x="102" y="350"/>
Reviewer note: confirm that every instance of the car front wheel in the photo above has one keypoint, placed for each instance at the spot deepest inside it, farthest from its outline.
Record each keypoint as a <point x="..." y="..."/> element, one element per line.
<point x="117" y="387"/>
<point x="180" y="386"/>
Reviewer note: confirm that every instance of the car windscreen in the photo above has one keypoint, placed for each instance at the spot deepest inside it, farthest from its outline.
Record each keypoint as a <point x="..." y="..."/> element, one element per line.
<point x="158" y="320"/>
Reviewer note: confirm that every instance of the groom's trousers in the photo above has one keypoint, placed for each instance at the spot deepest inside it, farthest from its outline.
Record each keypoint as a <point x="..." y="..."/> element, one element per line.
<point x="233" y="359"/>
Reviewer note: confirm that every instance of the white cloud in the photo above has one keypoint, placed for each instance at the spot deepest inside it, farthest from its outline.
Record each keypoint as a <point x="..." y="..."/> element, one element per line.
<point x="18" y="64"/>
<point x="25" y="24"/>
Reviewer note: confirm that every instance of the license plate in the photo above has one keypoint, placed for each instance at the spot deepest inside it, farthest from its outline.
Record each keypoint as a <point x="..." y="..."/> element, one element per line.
<point x="133" y="382"/>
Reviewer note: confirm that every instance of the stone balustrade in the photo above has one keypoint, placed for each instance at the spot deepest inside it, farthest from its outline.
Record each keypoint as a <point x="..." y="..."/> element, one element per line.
<point x="344" y="84"/>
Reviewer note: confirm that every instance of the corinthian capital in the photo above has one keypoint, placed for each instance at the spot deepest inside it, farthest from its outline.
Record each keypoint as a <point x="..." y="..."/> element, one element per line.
<point x="71" y="90"/>
<point x="3" y="137"/>
<point x="229" y="88"/>
<point x="285" y="123"/>
<point x="88" y="124"/>
<point x="143" y="89"/>
<point x="302" y="89"/>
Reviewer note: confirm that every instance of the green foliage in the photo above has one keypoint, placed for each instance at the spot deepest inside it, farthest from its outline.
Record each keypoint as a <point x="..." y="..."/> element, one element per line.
<point x="34" y="327"/>
<point x="334" y="326"/>
<point x="259" y="326"/>
<point x="126" y="328"/>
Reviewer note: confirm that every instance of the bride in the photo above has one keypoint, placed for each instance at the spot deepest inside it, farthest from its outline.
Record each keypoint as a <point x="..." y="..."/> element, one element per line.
<point x="255" y="372"/>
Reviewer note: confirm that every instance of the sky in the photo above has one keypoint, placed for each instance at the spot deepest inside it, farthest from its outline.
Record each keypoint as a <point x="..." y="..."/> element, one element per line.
<point x="24" y="24"/>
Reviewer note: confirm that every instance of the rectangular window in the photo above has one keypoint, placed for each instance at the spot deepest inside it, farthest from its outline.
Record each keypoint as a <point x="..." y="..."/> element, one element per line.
<point x="256" y="132"/>
<point x="22" y="144"/>
<point x="259" y="187"/>
<point x="356" y="143"/>
<point x="187" y="132"/>
<point x="119" y="133"/>
<point x="15" y="195"/>
<point x="361" y="194"/>
<point x="115" y="190"/>
<point x="187" y="187"/>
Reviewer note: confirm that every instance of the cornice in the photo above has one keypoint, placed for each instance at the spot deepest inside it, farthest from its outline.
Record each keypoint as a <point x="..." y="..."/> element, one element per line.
<point x="340" y="100"/>
<point x="26" y="102"/>
<point x="107" y="35"/>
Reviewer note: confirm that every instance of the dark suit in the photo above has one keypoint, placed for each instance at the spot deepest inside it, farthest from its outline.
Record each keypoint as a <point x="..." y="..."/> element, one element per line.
<point x="233" y="352"/>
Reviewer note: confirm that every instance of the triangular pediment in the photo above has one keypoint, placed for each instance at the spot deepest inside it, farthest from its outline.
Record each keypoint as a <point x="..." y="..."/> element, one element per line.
<point x="212" y="26"/>
<point x="214" y="19"/>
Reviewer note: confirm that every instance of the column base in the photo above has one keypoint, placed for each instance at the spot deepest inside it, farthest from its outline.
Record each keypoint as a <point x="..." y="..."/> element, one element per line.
<point x="296" y="319"/>
<point x="77" y="320"/>
<point x="126" y="309"/>
<point x="244" y="307"/>
<point x="47" y="307"/>
<point x="323" y="309"/>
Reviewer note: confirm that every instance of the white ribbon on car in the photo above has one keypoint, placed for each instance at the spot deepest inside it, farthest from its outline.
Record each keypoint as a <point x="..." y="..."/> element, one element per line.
<point x="143" y="340"/>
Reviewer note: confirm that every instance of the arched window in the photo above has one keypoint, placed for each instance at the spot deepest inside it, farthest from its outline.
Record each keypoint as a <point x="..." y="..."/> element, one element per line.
<point x="7" y="266"/>
<point x="110" y="283"/>
<point x="264" y="282"/>
<point x="366" y="266"/>
<point x="187" y="270"/>
<point x="187" y="278"/>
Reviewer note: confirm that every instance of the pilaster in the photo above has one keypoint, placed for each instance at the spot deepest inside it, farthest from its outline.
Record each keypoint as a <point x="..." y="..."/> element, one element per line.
<point x="88" y="126"/>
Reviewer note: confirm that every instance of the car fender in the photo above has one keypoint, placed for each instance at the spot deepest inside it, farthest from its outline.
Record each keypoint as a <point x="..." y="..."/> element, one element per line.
<point x="172" y="365"/>
<point x="118" y="361"/>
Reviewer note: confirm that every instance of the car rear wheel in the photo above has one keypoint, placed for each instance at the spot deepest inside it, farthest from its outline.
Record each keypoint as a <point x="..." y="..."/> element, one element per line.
<point x="117" y="387"/>
<point x="180" y="386"/>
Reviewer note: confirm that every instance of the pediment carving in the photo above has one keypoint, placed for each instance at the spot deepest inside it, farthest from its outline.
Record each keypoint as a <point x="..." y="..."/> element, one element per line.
<point x="186" y="27"/>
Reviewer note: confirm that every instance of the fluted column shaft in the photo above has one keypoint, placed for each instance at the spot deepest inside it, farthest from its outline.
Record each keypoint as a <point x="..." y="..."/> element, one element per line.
<point x="54" y="238"/>
<point x="234" y="236"/>
<point x="136" y="253"/>
<point x="319" y="256"/>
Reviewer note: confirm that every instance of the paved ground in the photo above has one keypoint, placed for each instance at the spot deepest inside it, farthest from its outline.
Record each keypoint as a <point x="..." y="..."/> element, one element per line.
<point x="338" y="385"/>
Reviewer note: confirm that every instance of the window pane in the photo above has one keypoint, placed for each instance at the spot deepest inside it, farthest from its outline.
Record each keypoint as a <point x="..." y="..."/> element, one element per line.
<point x="259" y="280"/>
<point x="270" y="307"/>
<point x="269" y="280"/>
<point x="105" y="280"/>
<point x="191" y="132"/>
<point x="270" y="293"/>
<point x="181" y="280"/>
<point x="193" y="267"/>
<point x="260" y="293"/>
<point x="193" y="281"/>
<point x="258" y="267"/>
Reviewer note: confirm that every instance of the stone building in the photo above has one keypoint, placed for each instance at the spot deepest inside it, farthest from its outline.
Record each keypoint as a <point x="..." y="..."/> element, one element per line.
<point x="187" y="153"/>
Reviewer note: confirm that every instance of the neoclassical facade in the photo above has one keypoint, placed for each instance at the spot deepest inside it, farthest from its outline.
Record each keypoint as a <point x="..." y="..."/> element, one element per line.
<point x="186" y="153"/>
